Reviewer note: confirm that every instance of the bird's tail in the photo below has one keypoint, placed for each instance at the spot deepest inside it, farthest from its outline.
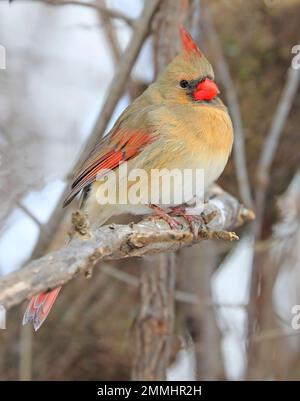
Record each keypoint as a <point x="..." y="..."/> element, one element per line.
<point x="39" y="307"/>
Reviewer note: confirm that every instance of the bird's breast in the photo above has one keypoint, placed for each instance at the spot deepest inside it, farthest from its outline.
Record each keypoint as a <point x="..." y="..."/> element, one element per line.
<point x="206" y="136"/>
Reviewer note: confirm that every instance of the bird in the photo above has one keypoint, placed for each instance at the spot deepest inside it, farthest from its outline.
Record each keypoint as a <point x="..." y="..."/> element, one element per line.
<point x="178" y="122"/>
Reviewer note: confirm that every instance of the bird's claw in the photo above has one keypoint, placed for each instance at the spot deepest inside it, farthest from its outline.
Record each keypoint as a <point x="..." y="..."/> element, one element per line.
<point x="194" y="221"/>
<point x="160" y="214"/>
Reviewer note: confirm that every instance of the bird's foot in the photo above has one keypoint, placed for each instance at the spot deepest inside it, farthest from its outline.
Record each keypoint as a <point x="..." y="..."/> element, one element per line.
<point x="193" y="220"/>
<point x="160" y="214"/>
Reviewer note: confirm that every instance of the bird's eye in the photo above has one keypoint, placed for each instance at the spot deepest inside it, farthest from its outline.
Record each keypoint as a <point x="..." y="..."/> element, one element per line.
<point x="184" y="83"/>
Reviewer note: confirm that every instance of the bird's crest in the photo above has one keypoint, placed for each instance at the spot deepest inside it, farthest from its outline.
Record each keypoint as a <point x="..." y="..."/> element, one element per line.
<point x="187" y="42"/>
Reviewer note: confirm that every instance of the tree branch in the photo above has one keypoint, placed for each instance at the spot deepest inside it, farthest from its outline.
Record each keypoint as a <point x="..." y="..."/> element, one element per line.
<point x="271" y="143"/>
<point x="115" y="47"/>
<point x="98" y="7"/>
<point x="235" y="112"/>
<point x="114" y="242"/>
<point x="155" y="320"/>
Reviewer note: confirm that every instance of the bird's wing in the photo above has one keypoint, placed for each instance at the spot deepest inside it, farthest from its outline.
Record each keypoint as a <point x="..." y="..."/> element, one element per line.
<point x="39" y="307"/>
<point x="121" y="144"/>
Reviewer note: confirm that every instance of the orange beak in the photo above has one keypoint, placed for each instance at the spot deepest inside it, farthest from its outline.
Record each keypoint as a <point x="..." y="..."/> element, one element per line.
<point x="206" y="90"/>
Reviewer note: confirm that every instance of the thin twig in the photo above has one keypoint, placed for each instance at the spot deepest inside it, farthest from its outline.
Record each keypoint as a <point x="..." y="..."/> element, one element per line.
<point x="115" y="46"/>
<point x="120" y="275"/>
<point x="28" y="213"/>
<point x="180" y="296"/>
<point x="233" y="104"/>
<point x="263" y="178"/>
<point x="110" y="32"/>
<point x="271" y="142"/>
<point x="98" y="7"/>
<point x="282" y="254"/>
<point x="273" y="334"/>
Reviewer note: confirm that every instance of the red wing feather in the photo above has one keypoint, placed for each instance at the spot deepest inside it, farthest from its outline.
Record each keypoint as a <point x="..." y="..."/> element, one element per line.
<point x="39" y="307"/>
<point x="107" y="155"/>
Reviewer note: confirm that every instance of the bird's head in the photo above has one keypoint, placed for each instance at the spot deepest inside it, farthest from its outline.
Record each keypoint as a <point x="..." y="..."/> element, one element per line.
<point x="189" y="77"/>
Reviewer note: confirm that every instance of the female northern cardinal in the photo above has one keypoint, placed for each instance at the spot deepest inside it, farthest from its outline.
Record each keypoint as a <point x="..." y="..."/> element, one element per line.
<point x="178" y="122"/>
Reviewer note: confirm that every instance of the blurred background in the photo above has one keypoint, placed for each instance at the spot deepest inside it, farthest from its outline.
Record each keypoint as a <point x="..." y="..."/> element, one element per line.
<point x="236" y="314"/>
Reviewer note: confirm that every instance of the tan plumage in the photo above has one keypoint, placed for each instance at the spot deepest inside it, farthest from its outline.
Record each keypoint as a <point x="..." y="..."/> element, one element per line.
<point x="191" y="137"/>
<point x="179" y="122"/>
<point x="185" y="134"/>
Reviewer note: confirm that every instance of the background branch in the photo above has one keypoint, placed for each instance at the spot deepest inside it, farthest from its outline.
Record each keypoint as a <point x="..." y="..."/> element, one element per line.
<point x="223" y="74"/>
<point x="95" y="6"/>
<point x="155" y="319"/>
<point x="259" y="279"/>
<point x="271" y="143"/>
